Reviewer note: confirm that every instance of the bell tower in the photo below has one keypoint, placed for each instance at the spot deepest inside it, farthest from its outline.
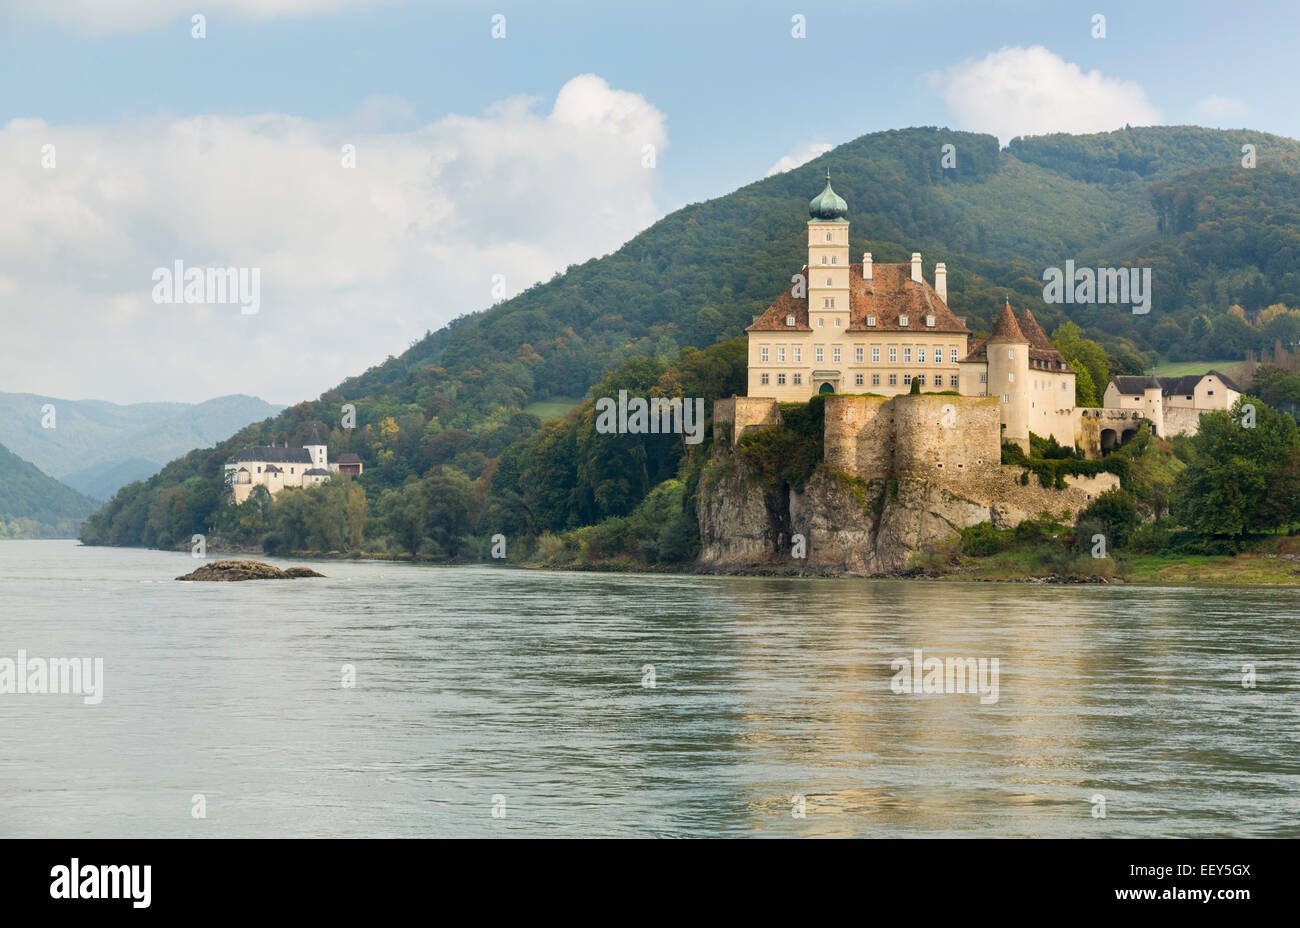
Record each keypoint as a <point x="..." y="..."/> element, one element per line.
<point x="828" y="263"/>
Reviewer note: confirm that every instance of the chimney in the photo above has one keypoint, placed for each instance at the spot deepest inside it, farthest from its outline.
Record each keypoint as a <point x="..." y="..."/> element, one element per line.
<point x="866" y="265"/>
<point x="941" y="281"/>
<point x="916" y="266"/>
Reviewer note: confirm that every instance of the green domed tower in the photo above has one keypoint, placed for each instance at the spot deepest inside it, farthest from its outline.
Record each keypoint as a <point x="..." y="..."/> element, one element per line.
<point x="828" y="206"/>
<point x="828" y="262"/>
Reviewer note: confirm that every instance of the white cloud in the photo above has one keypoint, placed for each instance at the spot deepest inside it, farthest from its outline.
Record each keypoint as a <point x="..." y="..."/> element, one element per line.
<point x="800" y="154"/>
<point x="355" y="263"/>
<point x="1032" y="91"/>
<point x="116" y="16"/>
<point x="1220" y="111"/>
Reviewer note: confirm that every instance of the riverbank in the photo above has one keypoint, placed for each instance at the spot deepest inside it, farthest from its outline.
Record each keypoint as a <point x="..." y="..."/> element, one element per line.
<point x="1271" y="561"/>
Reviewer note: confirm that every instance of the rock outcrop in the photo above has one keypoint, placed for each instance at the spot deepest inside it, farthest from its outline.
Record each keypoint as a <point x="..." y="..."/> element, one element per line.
<point x="247" y="570"/>
<point x="859" y="527"/>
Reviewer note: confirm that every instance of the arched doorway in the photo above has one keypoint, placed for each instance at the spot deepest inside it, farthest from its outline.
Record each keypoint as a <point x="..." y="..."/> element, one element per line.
<point x="1108" y="439"/>
<point x="826" y="388"/>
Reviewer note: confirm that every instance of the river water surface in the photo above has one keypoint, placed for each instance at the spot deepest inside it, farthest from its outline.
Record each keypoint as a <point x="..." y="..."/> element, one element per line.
<point x="485" y="688"/>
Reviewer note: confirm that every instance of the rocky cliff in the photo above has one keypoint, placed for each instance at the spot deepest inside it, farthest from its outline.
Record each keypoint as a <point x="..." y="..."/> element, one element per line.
<point x="857" y="527"/>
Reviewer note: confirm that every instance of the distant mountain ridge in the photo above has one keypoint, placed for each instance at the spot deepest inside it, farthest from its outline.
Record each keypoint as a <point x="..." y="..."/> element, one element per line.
<point x="96" y="447"/>
<point x="34" y="505"/>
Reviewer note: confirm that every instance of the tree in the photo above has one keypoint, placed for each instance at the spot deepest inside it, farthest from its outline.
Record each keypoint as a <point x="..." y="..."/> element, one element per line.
<point x="1117" y="514"/>
<point x="402" y="515"/>
<point x="1085" y="391"/>
<point x="1227" y="486"/>
<point x="1083" y="354"/>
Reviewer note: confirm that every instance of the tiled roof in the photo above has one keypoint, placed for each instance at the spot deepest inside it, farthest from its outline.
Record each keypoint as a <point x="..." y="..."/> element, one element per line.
<point x="349" y="458"/>
<point x="889" y="294"/>
<point x="1042" y="353"/>
<point x="1041" y="349"/>
<point x="273" y="453"/>
<point x="316" y="472"/>
<point x="1006" y="329"/>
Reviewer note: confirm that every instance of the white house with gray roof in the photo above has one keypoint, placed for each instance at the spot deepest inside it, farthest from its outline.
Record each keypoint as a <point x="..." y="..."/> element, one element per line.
<point x="1173" y="405"/>
<point x="278" y="466"/>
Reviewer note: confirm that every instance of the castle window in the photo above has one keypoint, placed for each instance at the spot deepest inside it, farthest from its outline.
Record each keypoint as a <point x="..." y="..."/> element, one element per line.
<point x="764" y="354"/>
<point x="832" y="259"/>
<point x="907" y="355"/>
<point x="828" y="281"/>
<point x="907" y="380"/>
<point x="953" y="380"/>
<point x="875" y="355"/>
<point x="875" y="380"/>
<point x="820" y="354"/>
<point x="902" y="320"/>
<point x="893" y="355"/>
<point x="823" y="259"/>
<point x="929" y="321"/>
<point x="857" y="379"/>
<point x="798" y="355"/>
<point x="1209" y="393"/>
<point x="828" y="236"/>
<point x="835" y="354"/>
<point x="837" y="322"/>
<point x="858" y="355"/>
<point x="871" y="322"/>
<point x="798" y="379"/>
<point x="1011" y="378"/>
<point x="780" y="380"/>
<point x="1011" y="354"/>
<point x="1006" y="397"/>
<point x="893" y="380"/>
<point x="763" y="378"/>
<point x="789" y="320"/>
<point x="984" y="377"/>
<point x="821" y="323"/>
<point x="780" y="355"/>
<point x="920" y="356"/>
<point x="952" y="355"/>
<point x="920" y="378"/>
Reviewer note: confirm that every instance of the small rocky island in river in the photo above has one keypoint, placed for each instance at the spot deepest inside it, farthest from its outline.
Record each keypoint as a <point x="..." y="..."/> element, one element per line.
<point x="247" y="570"/>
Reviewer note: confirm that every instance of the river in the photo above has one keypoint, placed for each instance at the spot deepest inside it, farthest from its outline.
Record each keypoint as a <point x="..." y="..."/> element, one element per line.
<point x="492" y="701"/>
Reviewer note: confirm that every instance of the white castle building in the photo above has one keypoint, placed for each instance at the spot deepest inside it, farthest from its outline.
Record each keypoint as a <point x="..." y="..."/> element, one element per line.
<point x="871" y="327"/>
<point x="278" y="466"/>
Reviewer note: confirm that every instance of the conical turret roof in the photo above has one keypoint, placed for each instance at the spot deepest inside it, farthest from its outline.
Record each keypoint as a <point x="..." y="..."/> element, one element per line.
<point x="1006" y="329"/>
<point x="1030" y="328"/>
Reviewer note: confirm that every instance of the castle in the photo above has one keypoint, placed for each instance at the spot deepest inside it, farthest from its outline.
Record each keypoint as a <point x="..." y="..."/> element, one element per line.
<point x="875" y="329"/>
<point x="278" y="466"/>
<point x="865" y="327"/>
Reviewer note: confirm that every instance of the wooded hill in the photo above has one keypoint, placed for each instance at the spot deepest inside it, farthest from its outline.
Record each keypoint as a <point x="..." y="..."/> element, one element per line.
<point x="1223" y="241"/>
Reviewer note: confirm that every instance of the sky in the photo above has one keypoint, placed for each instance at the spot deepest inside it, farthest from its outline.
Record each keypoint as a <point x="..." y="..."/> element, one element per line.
<point x="380" y="167"/>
